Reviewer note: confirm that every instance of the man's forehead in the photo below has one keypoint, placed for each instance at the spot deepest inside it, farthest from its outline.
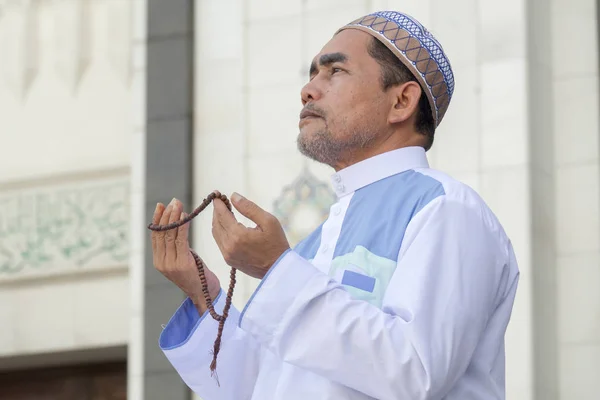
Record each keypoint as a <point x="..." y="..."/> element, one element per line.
<point x="353" y="43"/>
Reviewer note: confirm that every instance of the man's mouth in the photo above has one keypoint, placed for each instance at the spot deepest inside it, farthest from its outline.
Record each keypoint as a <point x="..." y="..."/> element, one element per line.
<point x="309" y="114"/>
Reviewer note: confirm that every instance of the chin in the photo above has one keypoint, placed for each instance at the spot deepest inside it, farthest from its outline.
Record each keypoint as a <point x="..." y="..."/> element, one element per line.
<point x="305" y="134"/>
<point x="304" y="142"/>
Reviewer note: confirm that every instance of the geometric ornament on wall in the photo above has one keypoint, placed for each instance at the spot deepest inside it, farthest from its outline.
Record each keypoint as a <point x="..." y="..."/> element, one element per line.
<point x="72" y="35"/>
<point x="72" y="227"/>
<point x="303" y="205"/>
<point x="19" y="44"/>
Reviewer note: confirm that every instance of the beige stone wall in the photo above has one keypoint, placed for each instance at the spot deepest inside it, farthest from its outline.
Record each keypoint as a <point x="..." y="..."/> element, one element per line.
<point x="564" y="128"/>
<point x="576" y="116"/>
<point x="65" y="129"/>
<point x="66" y="80"/>
<point x="522" y="130"/>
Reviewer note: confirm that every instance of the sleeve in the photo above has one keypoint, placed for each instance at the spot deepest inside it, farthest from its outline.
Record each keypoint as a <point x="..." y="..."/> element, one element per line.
<point x="421" y="340"/>
<point x="187" y="342"/>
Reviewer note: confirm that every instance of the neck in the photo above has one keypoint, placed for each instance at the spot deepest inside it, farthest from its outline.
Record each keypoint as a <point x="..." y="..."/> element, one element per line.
<point x="391" y="142"/>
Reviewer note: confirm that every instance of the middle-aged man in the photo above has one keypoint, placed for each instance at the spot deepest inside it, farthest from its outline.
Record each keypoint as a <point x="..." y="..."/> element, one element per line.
<point x="404" y="292"/>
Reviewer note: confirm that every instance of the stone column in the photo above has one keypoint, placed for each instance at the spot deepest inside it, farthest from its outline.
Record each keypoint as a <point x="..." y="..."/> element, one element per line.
<point x="575" y="117"/>
<point x="169" y="167"/>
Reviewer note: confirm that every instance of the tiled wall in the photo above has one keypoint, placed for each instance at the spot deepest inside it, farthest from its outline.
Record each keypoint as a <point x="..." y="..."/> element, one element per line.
<point x="565" y="182"/>
<point x="63" y="72"/>
<point x="65" y="123"/>
<point x="63" y="315"/>
<point x="522" y="130"/>
<point x="576" y="167"/>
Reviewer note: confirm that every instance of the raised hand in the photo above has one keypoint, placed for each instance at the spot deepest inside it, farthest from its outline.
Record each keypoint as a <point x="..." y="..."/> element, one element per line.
<point x="172" y="257"/>
<point x="250" y="250"/>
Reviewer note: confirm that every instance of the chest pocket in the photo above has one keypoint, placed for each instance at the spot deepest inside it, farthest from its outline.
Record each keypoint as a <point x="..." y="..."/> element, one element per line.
<point x="363" y="274"/>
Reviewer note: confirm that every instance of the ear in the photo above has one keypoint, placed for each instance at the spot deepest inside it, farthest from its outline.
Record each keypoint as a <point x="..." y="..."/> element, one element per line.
<point x="405" y="101"/>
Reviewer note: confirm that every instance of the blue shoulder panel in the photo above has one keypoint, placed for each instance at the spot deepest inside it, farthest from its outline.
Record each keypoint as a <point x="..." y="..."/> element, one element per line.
<point x="379" y="213"/>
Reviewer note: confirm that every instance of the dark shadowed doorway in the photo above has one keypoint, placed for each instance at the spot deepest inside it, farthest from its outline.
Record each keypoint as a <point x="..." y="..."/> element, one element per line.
<point x="106" y="381"/>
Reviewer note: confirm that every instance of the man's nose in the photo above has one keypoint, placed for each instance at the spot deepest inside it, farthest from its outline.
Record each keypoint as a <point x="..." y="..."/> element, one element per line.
<point x="310" y="92"/>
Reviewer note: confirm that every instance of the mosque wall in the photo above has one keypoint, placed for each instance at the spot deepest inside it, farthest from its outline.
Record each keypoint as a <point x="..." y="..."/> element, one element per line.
<point x="522" y="130"/>
<point x="66" y="130"/>
<point x="574" y="74"/>
<point x="564" y="128"/>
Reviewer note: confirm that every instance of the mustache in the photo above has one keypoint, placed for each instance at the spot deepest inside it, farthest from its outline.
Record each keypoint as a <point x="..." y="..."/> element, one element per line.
<point x="310" y="110"/>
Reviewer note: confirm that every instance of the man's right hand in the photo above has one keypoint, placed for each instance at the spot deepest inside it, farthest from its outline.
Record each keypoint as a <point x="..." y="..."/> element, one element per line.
<point x="172" y="257"/>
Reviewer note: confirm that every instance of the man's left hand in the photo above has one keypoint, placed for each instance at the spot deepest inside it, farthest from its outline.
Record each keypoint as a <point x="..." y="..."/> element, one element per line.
<point x="251" y="250"/>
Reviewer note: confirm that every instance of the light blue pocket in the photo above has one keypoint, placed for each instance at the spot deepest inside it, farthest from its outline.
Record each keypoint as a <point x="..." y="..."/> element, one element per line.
<point x="364" y="275"/>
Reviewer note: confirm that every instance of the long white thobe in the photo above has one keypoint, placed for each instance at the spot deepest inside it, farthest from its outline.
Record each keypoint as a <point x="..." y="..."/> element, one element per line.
<point x="404" y="292"/>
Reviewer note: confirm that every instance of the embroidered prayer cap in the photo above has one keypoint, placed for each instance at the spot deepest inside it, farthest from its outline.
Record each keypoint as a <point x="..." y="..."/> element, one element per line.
<point x="418" y="50"/>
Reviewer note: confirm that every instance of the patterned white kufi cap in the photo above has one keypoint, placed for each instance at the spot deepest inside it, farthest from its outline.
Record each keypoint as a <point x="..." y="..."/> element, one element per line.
<point x="418" y="50"/>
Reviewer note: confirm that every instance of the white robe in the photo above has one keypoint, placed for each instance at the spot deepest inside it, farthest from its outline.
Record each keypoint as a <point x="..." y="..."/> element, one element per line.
<point x="405" y="292"/>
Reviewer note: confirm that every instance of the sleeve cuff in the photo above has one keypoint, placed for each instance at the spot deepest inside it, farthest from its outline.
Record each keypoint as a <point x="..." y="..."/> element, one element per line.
<point x="276" y="294"/>
<point x="183" y="324"/>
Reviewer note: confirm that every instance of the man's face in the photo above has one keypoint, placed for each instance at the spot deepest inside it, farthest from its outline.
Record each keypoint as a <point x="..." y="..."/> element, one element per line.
<point x="345" y="109"/>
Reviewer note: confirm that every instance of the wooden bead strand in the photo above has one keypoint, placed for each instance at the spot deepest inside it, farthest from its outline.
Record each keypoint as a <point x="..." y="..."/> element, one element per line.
<point x="200" y="265"/>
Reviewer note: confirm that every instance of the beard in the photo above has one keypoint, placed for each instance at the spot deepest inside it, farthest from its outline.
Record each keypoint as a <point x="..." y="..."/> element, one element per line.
<point x="323" y="147"/>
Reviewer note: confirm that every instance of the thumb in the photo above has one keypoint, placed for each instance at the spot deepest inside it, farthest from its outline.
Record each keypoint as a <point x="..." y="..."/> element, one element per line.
<point x="249" y="209"/>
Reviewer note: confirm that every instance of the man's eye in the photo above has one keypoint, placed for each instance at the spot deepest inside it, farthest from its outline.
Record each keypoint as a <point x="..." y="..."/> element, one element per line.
<point x="334" y="70"/>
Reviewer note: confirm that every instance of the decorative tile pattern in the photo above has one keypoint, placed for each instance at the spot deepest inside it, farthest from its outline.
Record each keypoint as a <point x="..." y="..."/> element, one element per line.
<point x="418" y="50"/>
<point x="65" y="228"/>
<point x="303" y="206"/>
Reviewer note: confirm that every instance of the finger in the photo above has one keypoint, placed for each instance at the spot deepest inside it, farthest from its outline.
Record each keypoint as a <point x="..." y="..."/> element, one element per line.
<point x="225" y="227"/>
<point x="171" y="235"/>
<point x="250" y="210"/>
<point x="225" y="217"/>
<point x="158" y="245"/>
<point x="164" y="220"/>
<point x="181" y="242"/>
<point x="218" y="230"/>
<point x="158" y="211"/>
